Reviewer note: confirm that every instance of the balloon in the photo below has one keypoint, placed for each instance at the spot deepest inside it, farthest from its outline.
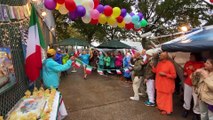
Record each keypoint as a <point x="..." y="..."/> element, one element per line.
<point x="70" y="5"/>
<point x="50" y="4"/>
<point x="108" y="10"/>
<point x="135" y="19"/>
<point x="140" y="16"/>
<point x="58" y="6"/>
<point x="78" y="2"/>
<point x="123" y="12"/>
<point x="96" y="3"/>
<point x="73" y="15"/>
<point x="60" y="1"/>
<point x="88" y="4"/>
<point x="81" y="11"/>
<point x="120" y="19"/>
<point x="116" y="12"/>
<point x="137" y="25"/>
<point x="143" y="23"/>
<point x="132" y="14"/>
<point x="102" y="19"/>
<point x="94" y="22"/>
<point x="111" y="20"/>
<point x="100" y="8"/>
<point x="63" y="10"/>
<point x="127" y="19"/>
<point x="115" y="25"/>
<point x="86" y="18"/>
<point x="129" y="26"/>
<point x="94" y="14"/>
<point x="121" y="25"/>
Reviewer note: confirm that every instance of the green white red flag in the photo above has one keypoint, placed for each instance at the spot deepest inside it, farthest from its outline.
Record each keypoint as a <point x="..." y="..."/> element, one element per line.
<point x="35" y="44"/>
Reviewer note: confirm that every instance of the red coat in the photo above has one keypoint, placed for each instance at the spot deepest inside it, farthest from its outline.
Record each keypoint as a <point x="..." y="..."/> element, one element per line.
<point x="165" y="84"/>
<point x="189" y="68"/>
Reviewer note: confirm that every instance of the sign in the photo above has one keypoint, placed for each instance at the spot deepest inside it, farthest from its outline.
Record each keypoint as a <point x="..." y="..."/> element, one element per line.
<point x="7" y="73"/>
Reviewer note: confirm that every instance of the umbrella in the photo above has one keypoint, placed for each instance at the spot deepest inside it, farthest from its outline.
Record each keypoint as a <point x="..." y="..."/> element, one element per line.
<point x="73" y="42"/>
<point x="196" y="42"/>
<point x="114" y="44"/>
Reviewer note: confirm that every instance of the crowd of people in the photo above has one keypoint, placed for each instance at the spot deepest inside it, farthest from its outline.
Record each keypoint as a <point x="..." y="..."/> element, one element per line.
<point x="153" y="72"/>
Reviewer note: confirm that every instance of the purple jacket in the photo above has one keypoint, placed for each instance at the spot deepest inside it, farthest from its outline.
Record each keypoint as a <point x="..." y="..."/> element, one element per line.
<point x="118" y="60"/>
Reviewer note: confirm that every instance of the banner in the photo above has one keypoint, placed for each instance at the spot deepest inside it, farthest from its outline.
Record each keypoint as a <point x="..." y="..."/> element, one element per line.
<point x="8" y="13"/>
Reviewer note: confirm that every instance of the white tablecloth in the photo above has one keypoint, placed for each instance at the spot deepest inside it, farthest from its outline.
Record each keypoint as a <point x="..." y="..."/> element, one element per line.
<point x="58" y="109"/>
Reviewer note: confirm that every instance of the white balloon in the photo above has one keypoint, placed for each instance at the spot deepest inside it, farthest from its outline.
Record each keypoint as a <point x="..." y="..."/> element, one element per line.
<point x="86" y="18"/>
<point x="115" y="25"/>
<point x="78" y="2"/>
<point x="88" y="4"/>
<point x="127" y="19"/>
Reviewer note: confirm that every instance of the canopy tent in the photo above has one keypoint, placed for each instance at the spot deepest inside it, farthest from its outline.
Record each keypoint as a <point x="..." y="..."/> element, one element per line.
<point x="114" y="44"/>
<point x="73" y="42"/>
<point x="197" y="41"/>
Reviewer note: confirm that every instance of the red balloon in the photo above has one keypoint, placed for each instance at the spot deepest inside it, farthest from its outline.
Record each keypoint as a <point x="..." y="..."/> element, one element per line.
<point x="129" y="26"/>
<point x="70" y="5"/>
<point x="120" y="19"/>
<point x="211" y="1"/>
<point x="60" y="1"/>
<point x="94" y="22"/>
<point x="96" y="3"/>
<point x="108" y="10"/>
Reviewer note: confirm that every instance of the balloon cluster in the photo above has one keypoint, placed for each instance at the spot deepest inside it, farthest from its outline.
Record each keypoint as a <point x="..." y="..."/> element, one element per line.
<point x="91" y="11"/>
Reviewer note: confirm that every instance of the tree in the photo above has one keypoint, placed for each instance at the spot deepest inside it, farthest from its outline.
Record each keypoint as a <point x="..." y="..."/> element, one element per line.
<point x="167" y="16"/>
<point x="64" y="29"/>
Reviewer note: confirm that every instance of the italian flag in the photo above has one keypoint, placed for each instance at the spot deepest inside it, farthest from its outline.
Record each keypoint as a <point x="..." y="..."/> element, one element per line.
<point x="35" y="45"/>
<point x="109" y="71"/>
<point x="118" y="72"/>
<point x="100" y="72"/>
<point x="77" y="64"/>
<point x="88" y="69"/>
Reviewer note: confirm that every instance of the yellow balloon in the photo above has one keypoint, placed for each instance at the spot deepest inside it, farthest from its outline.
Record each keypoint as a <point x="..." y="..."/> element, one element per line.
<point x="116" y="12"/>
<point x="63" y="10"/>
<point x="58" y="6"/>
<point x="111" y="20"/>
<point x="102" y="19"/>
<point x="121" y="25"/>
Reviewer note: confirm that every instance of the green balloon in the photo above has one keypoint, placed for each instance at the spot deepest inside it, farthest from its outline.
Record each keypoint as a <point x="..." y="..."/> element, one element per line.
<point x="144" y="23"/>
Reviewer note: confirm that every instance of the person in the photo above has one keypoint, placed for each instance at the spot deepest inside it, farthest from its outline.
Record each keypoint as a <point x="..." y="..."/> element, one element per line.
<point x="149" y="77"/>
<point x="58" y="56"/>
<point x="202" y="80"/>
<point x="107" y="63"/>
<point x="112" y="60"/>
<point x="65" y="58"/>
<point x="191" y="66"/>
<point x="101" y="61"/>
<point x="143" y="55"/>
<point x="138" y="73"/>
<point x="85" y="59"/>
<point x="94" y="58"/>
<point x="50" y="69"/>
<point x="118" y="60"/>
<point x="164" y="83"/>
<point x="126" y="64"/>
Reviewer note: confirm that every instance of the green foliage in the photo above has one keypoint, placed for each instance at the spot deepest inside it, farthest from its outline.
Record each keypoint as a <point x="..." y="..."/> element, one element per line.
<point x="166" y="17"/>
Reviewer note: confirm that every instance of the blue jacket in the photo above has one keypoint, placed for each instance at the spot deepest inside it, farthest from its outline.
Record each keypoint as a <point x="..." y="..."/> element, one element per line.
<point x="50" y="72"/>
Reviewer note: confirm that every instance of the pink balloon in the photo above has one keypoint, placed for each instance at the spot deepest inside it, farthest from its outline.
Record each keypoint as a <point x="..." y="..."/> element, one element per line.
<point x="94" y="14"/>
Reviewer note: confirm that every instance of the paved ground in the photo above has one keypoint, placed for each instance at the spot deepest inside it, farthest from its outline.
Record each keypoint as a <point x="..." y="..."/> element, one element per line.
<point x="107" y="98"/>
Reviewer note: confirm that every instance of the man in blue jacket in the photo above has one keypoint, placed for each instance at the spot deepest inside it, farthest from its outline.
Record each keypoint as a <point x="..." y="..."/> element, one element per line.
<point x="51" y="68"/>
